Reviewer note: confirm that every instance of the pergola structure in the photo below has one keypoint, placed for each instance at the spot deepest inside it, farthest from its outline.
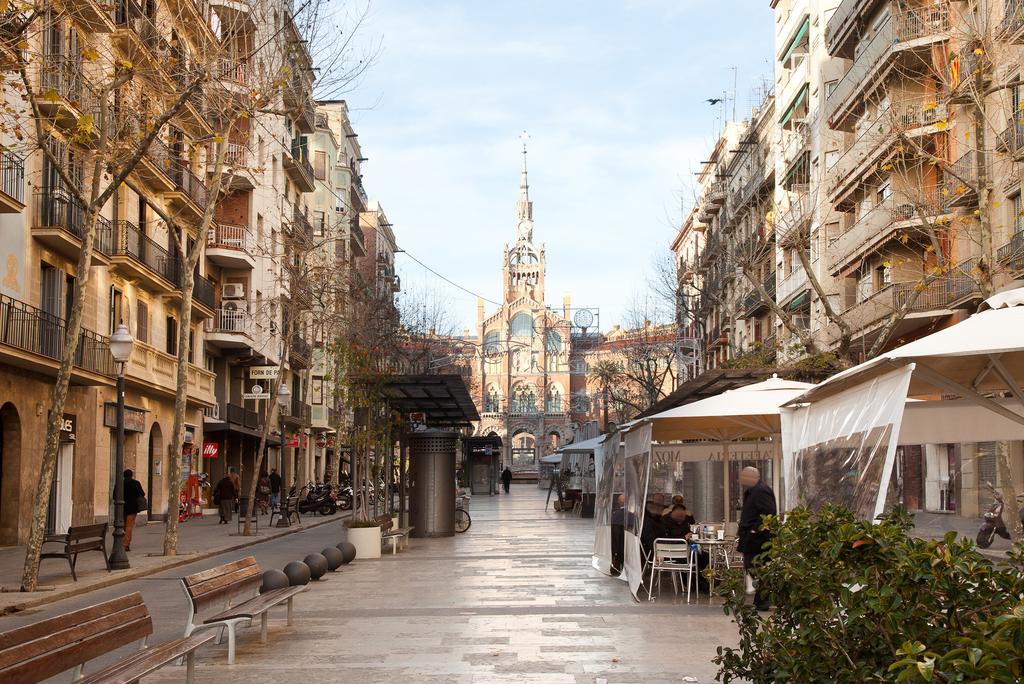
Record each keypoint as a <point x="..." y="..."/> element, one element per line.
<point x="442" y="400"/>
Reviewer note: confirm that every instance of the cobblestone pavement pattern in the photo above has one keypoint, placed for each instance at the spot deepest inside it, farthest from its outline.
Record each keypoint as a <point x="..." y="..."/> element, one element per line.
<point x="513" y="600"/>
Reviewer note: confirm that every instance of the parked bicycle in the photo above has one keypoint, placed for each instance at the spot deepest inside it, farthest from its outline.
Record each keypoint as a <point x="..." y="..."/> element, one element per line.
<point x="462" y="519"/>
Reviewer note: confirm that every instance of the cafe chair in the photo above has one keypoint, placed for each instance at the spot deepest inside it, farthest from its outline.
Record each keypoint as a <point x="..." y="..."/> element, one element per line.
<point x="677" y="558"/>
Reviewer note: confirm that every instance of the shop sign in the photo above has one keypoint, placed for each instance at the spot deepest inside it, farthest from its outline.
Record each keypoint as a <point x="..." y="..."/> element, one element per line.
<point x="263" y="372"/>
<point x="321" y="442"/>
<point x="293" y="442"/>
<point x="257" y="392"/>
<point x="134" y="418"/>
<point x="211" y="449"/>
<point x="68" y="427"/>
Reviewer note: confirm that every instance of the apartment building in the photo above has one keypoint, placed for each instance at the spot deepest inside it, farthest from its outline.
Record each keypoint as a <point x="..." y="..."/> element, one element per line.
<point x="243" y="311"/>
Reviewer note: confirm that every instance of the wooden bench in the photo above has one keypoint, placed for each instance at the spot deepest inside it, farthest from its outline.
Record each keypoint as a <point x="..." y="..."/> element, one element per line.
<point x="79" y="540"/>
<point x="231" y="592"/>
<point x="289" y="508"/>
<point x="44" y="649"/>
<point x="397" y="537"/>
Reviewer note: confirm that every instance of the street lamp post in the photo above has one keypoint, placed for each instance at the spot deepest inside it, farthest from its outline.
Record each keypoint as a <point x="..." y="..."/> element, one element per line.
<point x="283" y="396"/>
<point x="121" y="349"/>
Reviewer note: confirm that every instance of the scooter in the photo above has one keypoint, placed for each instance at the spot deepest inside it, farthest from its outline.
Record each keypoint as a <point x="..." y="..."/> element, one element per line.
<point x="992" y="523"/>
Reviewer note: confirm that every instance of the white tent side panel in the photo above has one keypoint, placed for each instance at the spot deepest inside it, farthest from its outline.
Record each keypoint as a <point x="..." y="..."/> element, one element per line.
<point x="957" y="422"/>
<point x="637" y="467"/>
<point x="604" y="467"/>
<point x="842" y="448"/>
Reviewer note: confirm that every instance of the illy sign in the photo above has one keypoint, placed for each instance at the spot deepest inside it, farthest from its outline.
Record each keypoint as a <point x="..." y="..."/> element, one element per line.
<point x="211" y="449"/>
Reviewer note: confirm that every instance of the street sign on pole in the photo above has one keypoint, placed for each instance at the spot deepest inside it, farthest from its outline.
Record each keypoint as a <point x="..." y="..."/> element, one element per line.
<point x="257" y="393"/>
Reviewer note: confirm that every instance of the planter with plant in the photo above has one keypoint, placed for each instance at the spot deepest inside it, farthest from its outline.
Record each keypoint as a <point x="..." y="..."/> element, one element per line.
<point x="365" y="536"/>
<point x="886" y="606"/>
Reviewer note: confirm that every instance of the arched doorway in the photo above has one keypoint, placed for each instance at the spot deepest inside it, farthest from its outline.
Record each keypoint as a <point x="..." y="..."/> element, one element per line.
<point x="524" y="451"/>
<point x="153" y="483"/>
<point x="10" y="467"/>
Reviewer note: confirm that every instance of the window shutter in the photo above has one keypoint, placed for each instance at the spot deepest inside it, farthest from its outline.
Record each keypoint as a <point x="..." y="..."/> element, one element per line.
<point x="142" y="321"/>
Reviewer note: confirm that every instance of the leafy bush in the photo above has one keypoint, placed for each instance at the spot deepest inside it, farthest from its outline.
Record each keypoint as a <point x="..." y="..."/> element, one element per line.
<point x="354" y="522"/>
<point x="862" y="602"/>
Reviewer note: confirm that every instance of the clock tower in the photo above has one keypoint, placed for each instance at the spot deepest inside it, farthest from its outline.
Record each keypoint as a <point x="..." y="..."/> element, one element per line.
<point x="524" y="265"/>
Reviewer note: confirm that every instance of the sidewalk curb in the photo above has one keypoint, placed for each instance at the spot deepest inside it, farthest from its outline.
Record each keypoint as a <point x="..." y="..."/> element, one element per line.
<point x="53" y="597"/>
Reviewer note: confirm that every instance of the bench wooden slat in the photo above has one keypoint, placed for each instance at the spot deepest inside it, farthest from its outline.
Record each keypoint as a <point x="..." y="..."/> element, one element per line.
<point x="146" y="662"/>
<point x="56" y="661"/>
<point x="206" y="575"/>
<point x="258" y="604"/>
<point x="215" y="584"/>
<point x="51" y="626"/>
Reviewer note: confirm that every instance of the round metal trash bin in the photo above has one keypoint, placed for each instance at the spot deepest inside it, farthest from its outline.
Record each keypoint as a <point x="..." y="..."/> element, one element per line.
<point x="432" y="483"/>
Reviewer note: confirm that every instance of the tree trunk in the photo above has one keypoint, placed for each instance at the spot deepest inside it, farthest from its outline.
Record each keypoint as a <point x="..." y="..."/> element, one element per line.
<point x="271" y="418"/>
<point x="1011" y="506"/>
<point x="180" y="399"/>
<point x="41" y="504"/>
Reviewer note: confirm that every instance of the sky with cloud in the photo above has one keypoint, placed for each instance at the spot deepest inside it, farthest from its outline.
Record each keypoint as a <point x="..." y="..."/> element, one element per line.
<point x="613" y="95"/>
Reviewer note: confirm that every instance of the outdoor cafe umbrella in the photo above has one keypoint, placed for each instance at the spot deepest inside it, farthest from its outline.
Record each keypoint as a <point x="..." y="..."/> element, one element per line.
<point x="745" y="413"/>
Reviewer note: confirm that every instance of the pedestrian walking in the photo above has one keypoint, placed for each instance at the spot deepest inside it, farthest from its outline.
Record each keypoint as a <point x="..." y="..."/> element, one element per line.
<point x="506" y="479"/>
<point x="237" y="481"/>
<point x="224" y="495"/>
<point x="134" y="503"/>
<point x="275" y="489"/>
<point x="758" y="501"/>
<point x="263" y="493"/>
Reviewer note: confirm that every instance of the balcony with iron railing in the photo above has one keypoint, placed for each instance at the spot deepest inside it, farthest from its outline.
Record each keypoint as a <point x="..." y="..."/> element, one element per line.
<point x="138" y="37"/>
<point x="189" y="195"/>
<point x="1011" y="26"/>
<point x="716" y="194"/>
<point x="231" y="327"/>
<point x="357" y="241"/>
<point x="1012" y="138"/>
<point x="299" y="413"/>
<point x="322" y="121"/>
<point x="793" y="284"/>
<point x="1011" y="255"/>
<point x="12" y="182"/>
<point x="913" y="117"/>
<point x="302" y="229"/>
<point x="155" y="167"/>
<point x="60" y="224"/>
<point x="139" y="256"/>
<point x="298" y="98"/>
<point x="301" y="352"/>
<point x="239" y="415"/>
<point x="32" y="337"/>
<point x="231" y="246"/>
<point x="893" y="218"/>
<point x="203" y="295"/>
<point x="960" y="181"/>
<point x="846" y="24"/>
<point x="753" y="303"/>
<point x="299" y="168"/>
<point x="907" y="30"/>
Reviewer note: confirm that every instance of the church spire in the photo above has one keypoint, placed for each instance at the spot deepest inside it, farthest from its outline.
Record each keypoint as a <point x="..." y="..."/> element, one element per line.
<point x="524" y="207"/>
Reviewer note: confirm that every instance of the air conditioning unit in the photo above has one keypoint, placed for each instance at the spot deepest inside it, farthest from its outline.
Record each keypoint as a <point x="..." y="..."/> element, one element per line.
<point x="904" y="211"/>
<point x="233" y="305"/>
<point x="232" y="291"/>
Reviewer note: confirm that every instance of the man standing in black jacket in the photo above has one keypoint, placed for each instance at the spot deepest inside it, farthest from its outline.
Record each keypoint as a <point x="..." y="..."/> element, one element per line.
<point x="758" y="501"/>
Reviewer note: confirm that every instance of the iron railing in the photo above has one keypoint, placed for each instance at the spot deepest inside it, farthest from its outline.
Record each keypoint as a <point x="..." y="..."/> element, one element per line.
<point x="202" y="291"/>
<point x="956" y="286"/>
<point x="131" y="242"/>
<point x="230" y="236"/>
<point x="1012" y="137"/>
<point x="301" y="225"/>
<point x="58" y="208"/>
<point x="1013" y="17"/>
<point x="12" y="176"/>
<point x="161" y="156"/>
<point x="238" y="415"/>
<point x="230" y="321"/>
<point x="301" y="350"/>
<point x="1011" y="255"/>
<point x="25" y="327"/>
<point x="61" y="75"/>
<point x="960" y="178"/>
<point x="300" y="157"/>
<point x="188" y="182"/>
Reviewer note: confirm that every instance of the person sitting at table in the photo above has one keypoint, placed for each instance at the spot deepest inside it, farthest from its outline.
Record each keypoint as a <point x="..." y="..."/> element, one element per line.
<point x="678" y="526"/>
<point x="653" y="525"/>
<point x="677" y="499"/>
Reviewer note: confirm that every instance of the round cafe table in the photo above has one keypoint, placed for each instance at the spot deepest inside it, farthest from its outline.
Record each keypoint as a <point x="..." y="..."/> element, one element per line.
<point x="719" y="554"/>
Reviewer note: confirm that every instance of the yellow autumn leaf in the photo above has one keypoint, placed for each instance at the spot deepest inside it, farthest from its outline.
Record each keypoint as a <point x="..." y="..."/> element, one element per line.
<point x="4" y="4"/>
<point x="937" y="270"/>
<point x="967" y="135"/>
<point x="979" y="51"/>
<point x="51" y="95"/>
<point x="887" y="264"/>
<point x="85" y="124"/>
<point x="218" y="139"/>
<point x="945" y="191"/>
<point x="904" y="238"/>
<point x="929" y="249"/>
<point x="90" y="54"/>
<point x="995" y="203"/>
<point x="928" y="106"/>
<point x="977" y="212"/>
<point x="887" y="167"/>
<point x="960" y="189"/>
<point x="941" y="125"/>
<point x="23" y="45"/>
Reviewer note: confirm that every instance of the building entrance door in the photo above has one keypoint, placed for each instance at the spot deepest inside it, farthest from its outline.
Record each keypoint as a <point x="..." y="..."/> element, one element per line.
<point x="58" y="517"/>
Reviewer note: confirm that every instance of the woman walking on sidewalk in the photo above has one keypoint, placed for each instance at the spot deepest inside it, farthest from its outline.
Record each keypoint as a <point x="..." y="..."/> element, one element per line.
<point x="224" y="495"/>
<point x="134" y="503"/>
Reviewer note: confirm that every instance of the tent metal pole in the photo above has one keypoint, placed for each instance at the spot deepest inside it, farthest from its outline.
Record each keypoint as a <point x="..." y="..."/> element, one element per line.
<point x="942" y="381"/>
<point x="1007" y="377"/>
<point x="725" y="479"/>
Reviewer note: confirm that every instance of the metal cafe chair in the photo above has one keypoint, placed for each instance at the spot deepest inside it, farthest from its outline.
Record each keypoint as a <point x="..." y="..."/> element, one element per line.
<point x="676" y="557"/>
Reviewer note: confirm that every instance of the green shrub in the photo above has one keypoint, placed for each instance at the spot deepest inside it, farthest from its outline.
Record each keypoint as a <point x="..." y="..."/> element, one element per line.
<point x="862" y="602"/>
<point x="353" y="522"/>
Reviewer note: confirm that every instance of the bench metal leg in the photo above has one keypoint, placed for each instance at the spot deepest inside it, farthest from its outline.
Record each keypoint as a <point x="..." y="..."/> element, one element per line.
<point x="72" y="559"/>
<point x="190" y="667"/>
<point x="263" y="628"/>
<point x="289" y="612"/>
<point x="231" y="644"/>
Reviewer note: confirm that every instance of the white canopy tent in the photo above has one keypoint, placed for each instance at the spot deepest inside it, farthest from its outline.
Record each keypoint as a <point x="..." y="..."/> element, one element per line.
<point x="689" y="448"/>
<point x="840" y="438"/>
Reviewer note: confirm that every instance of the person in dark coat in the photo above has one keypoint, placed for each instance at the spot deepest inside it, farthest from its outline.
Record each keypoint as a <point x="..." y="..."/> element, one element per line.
<point x="506" y="479"/>
<point x="275" y="489"/>
<point x="758" y="501"/>
<point x="134" y="500"/>
<point x="224" y="494"/>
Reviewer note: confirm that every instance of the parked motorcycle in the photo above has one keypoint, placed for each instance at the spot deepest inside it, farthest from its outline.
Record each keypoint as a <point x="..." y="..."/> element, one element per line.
<point x="318" y="499"/>
<point x="992" y="523"/>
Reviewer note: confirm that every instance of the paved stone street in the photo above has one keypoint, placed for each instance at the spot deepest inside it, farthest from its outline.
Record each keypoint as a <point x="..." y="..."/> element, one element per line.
<point x="514" y="599"/>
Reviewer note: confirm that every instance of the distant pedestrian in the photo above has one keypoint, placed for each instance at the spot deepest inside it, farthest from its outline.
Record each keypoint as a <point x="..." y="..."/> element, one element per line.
<point x="758" y="501"/>
<point x="224" y="495"/>
<point x="506" y="479"/>
<point x="263" y="493"/>
<point x="275" y="489"/>
<point x="134" y="503"/>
